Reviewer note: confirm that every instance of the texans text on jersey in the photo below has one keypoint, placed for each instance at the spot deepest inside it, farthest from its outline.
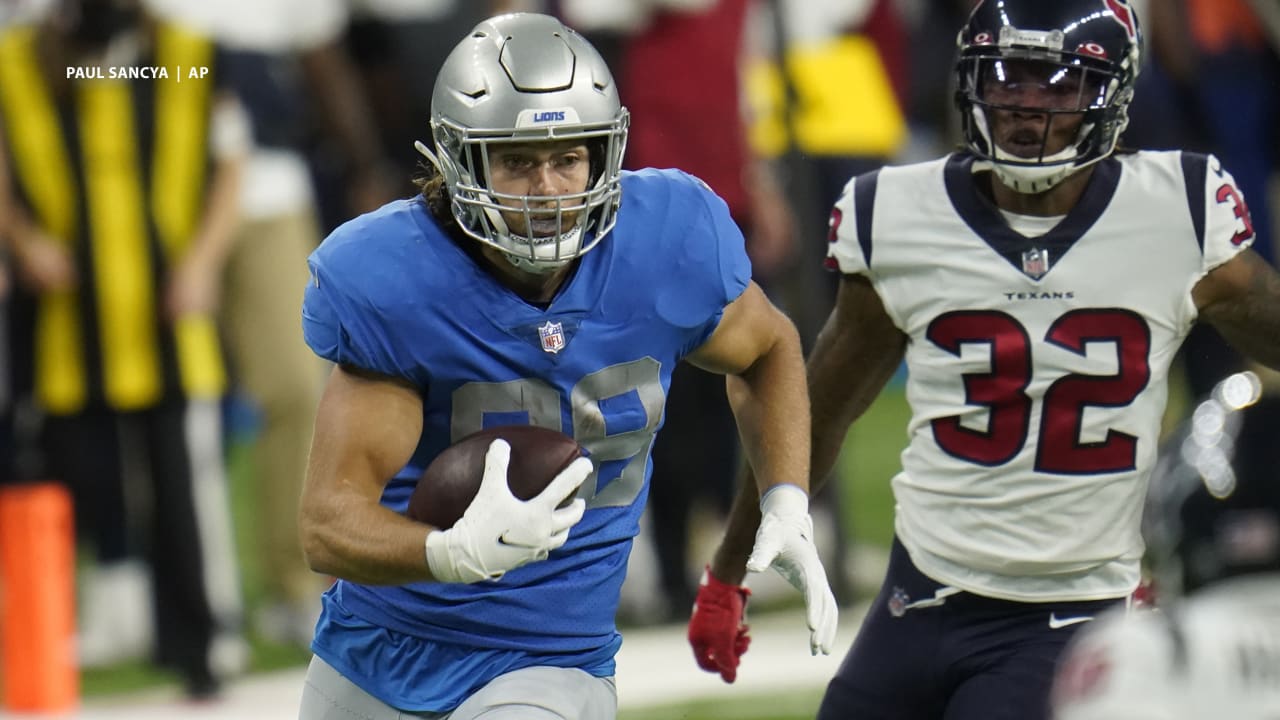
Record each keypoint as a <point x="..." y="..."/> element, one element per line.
<point x="1045" y="295"/>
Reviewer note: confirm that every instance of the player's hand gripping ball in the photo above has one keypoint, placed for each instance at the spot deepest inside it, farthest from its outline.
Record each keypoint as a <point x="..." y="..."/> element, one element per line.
<point x="452" y="480"/>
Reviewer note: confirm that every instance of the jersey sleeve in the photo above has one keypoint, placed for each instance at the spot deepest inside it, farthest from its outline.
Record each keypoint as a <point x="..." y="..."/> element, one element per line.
<point x="710" y="266"/>
<point x="848" y="235"/>
<point x="341" y="321"/>
<point x="1228" y="228"/>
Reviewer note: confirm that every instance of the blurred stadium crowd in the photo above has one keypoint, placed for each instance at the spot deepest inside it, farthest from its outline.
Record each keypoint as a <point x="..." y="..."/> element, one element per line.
<point x="153" y="237"/>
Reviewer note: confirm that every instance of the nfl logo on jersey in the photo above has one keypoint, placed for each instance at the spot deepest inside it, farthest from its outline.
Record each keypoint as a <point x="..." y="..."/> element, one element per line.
<point x="898" y="602"/>
<point x="1035" y="263"/>
<point x="552" y="336"/>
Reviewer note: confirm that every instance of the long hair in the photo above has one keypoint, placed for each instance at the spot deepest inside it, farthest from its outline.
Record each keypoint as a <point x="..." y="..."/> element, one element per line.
<point x="434" y="193"/>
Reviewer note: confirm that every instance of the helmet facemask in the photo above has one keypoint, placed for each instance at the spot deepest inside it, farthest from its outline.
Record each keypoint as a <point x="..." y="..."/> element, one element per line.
<point x="526" y="79"/>
<point x="569" y="224"/>
<point x="1028" y="72"/>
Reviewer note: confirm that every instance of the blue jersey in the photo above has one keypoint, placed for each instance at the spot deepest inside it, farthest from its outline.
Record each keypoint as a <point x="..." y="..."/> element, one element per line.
<point x="392" y="294"/>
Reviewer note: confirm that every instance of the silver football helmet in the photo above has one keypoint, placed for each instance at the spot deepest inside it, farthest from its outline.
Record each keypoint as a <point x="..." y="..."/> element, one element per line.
<point x="519" y="78"/>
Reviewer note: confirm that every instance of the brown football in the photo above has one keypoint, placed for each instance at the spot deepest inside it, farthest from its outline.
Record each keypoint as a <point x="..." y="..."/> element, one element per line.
<point x="452" y="480"/>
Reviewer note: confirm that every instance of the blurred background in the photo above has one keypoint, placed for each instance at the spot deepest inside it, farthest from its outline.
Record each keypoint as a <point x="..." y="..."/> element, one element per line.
<point x="157" y="397"/>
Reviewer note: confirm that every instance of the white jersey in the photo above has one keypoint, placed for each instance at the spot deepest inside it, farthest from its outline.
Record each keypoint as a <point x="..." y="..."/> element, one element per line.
<point x="1216" y="655"/>
<point x="1037" y="366"/>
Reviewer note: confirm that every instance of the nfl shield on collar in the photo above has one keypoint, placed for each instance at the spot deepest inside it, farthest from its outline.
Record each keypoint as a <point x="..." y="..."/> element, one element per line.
<point x="551" y="334"/>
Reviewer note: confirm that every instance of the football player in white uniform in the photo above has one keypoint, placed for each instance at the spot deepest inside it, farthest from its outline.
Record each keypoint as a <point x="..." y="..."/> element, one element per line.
<point x="1216" y="652"/>
<point x="1038" y="285"/>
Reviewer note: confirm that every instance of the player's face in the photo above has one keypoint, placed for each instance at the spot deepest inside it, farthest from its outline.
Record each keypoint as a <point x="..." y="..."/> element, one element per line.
<point x="1036" y="107"/>
<point x="544" y="171"/>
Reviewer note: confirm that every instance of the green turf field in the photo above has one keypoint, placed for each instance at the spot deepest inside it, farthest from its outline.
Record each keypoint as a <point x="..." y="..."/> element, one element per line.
<point x="785" y="706"/>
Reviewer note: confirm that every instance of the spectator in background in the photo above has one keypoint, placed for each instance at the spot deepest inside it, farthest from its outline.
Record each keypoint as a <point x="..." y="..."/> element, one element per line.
<point x="6" y="347"/>
<point x="824" y="131"/>
<point x="931" y="36"/>
<point x="12" y="368"/>
<point x="1236" y="74"/>
<point x="124" y="199"/>
<point x="680" y="71"/>
<point x="286" y="62"/>
<point x="393" y="45"/>
<point x="7" y="439"/>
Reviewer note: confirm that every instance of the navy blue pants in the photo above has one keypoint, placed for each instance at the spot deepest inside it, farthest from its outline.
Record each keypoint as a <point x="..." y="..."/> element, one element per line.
<point x="968" y="658"/>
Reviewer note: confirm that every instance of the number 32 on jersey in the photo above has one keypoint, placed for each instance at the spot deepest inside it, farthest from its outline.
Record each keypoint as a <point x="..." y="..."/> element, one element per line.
<point x="1002" y="391"/>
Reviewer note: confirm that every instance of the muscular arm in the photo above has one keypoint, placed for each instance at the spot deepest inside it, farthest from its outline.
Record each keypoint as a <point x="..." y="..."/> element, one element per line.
<point x="1241" y="299"/>
<point x="367" y="427"/>
<point x="758" y="350"/>
<point x="856" y="353"/>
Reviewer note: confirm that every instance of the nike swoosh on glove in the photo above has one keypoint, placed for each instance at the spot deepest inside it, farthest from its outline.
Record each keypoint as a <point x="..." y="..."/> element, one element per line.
<point x="785" y="543"/>
<point x="716" y="629"/>
<point x="499" y="531"/>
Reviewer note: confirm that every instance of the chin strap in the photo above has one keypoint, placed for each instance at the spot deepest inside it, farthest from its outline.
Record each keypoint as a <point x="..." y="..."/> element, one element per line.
<point x="537" y="266"/>
<point x="541" y="267"/>
<point x="1032" y="180"/>
<point x="1029" y="179"/>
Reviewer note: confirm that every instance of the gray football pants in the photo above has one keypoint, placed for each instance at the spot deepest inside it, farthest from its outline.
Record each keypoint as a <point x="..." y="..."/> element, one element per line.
<point x="535" y="693"/>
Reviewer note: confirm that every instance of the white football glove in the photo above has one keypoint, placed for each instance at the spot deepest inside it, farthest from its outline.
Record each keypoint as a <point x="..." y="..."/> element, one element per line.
<point x="785" y="543"/>
<point x="500" y="532"/>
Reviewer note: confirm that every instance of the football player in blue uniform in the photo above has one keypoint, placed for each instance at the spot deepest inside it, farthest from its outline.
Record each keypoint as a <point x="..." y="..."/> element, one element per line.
<point x="1038" y="286"/>
<point x="532" y="281"/>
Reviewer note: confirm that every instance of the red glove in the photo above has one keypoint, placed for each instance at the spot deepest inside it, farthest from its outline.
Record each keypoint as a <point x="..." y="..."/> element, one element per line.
<point x="1145" y="596"/>
<point x="716" y="631"/>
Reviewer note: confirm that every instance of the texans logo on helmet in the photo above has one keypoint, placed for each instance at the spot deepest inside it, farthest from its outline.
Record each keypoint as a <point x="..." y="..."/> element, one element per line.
<point x="1123" y="14"/>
